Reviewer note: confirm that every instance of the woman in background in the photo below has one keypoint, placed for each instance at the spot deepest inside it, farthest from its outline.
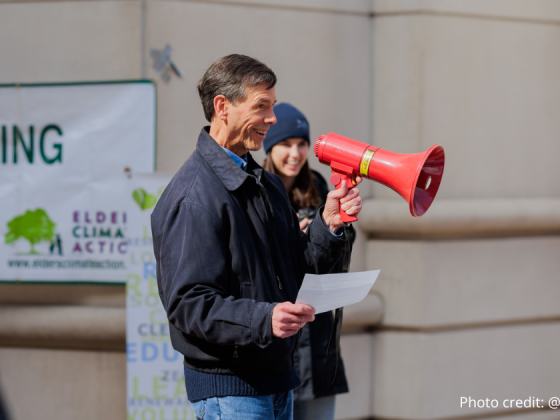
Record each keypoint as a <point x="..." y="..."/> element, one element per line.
<point x="286" y="146"/>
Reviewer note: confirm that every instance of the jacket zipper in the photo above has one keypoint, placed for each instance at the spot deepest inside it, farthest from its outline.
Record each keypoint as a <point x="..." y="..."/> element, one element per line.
<point x="235" y="354"/>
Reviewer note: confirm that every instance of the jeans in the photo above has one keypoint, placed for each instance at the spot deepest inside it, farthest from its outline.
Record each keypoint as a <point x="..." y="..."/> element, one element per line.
<point x="267" y="407"/>
<point x="317" y="409"/>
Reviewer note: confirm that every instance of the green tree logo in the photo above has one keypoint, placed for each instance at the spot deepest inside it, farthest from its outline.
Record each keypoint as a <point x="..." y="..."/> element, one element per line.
<point x="143" y="199"/>
<point x="35" y="226"/>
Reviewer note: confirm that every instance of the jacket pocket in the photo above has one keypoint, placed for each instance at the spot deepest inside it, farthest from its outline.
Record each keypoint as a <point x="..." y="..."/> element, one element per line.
<point x="272" y="355"/>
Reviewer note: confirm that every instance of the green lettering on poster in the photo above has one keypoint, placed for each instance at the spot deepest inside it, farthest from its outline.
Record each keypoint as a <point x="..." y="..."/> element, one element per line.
<point x="176" y="414"/>
<point x="105" y="232"/>
<point x="147" y="233"/>
<point x="153" y="319"/>
<point x="27" y="149"/>
<point x="56" y="146"/>
<point x="152" y="414"/>
<point x="4" y="144"/>
<point x="132" y="284"/>
<point x="153" y="290"/>
<point x="158" y="387"/>
<point x="135" y="393"/>
<point x="180" y="390"/>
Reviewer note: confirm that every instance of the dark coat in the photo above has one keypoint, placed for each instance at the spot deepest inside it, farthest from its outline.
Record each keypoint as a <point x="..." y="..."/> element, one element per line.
<point x="228" y="247"/>
<point x="311" y="355"/>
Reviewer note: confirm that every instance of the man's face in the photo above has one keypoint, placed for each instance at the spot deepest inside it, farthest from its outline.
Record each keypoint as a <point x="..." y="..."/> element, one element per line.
<point x="248" y="121"/>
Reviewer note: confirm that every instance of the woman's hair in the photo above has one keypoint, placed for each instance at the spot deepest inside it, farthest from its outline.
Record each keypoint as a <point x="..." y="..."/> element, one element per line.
<point x="303" y="194"/>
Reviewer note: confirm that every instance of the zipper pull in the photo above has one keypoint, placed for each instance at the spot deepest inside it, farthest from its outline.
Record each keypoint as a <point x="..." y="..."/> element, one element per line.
<point x="279" y="283"/>
<point x="235" y="354"/>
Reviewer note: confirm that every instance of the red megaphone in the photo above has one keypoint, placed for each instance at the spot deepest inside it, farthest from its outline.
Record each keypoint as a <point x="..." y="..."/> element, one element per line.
<point x="415" y="177"/>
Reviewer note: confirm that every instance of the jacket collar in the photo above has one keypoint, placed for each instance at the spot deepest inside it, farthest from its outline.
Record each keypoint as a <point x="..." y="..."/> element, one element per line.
<point x="231" y="175"/>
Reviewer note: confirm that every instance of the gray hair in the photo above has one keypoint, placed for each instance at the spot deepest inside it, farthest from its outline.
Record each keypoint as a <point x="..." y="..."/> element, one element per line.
<point x="230" y="76"/>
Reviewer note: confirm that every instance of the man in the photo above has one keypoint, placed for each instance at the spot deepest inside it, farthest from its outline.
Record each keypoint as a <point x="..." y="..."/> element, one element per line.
<point x="231" y="256"/>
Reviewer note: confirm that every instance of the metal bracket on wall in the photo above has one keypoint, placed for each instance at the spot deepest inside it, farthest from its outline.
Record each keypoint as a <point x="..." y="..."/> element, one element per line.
<point x="163" y="65"/>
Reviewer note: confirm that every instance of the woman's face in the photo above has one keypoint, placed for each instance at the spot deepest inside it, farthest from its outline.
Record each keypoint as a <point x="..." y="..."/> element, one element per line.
<point x="289" y="156"/>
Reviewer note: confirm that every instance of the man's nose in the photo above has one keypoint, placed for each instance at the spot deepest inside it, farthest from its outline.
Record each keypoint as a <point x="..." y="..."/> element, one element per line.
<point x="271" y="118"/>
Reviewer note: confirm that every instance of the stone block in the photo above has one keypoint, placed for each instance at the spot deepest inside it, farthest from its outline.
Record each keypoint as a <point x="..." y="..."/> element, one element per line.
<point x="397" y="84"/>
<point x="70" y="41"/>
<point x="359" y="316"/>
<point x="484" y="89"/>
<point x="538" y="10"/>
<point x="63" y="294"/>
<point x="356" y="350"/>
<point x="506" y="79"/>
<point x="424" y="375"/>
<point x="63" y="327"/>
<point x="439" y="283"/>
<point x="328" y="6"/>
<point x="64" y="385"/>
<point x="462" y="218"/>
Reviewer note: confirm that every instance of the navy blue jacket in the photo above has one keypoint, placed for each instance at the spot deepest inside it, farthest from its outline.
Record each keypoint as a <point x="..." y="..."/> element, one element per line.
<point x="228" y="247"/>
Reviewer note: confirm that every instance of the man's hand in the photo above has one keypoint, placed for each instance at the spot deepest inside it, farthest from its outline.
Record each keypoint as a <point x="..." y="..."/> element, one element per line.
<point x="288" y="319"/>
<point x="350" y="201"/>
<point x="304" y="224"/>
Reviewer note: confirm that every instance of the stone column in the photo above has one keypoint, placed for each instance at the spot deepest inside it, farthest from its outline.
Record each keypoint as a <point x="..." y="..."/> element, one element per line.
<point x="470" y="289"/>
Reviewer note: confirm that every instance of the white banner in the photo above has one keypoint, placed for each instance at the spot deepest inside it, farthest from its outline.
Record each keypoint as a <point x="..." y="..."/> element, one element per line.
<point x="155" y="379"/>
<point x="63" y="153"/>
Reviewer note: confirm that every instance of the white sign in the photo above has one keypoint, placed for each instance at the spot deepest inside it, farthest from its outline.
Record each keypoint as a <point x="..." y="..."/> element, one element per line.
<point x="155" y="379"/>
<point x="63" y="152"/>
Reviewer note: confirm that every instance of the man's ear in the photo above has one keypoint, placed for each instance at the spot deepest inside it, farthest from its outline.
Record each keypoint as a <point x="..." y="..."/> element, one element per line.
<point x="221" y="107"/>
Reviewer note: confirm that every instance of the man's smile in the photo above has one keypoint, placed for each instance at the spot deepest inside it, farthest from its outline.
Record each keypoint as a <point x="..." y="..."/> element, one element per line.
<point x="260" y="132"/>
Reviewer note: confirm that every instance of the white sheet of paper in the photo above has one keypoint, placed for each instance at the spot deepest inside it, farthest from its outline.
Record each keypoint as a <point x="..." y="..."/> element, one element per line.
<point x="326" y="292"/>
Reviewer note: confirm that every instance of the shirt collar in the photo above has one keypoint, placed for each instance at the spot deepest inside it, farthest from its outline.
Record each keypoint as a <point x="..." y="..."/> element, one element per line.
<point x="240" y="161"/>
<point x="231" y="175"/>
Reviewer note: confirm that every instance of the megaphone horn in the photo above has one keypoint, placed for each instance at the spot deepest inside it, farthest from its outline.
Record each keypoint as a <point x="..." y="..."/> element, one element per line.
<point x="415" y="177"/>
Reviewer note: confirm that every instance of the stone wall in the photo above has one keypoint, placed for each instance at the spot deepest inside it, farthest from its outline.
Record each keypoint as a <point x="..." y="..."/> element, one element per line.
<point x="469" y="291"/>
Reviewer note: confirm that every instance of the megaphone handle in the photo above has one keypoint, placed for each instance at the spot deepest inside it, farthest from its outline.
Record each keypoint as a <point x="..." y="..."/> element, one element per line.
<point x="336" y="180"/>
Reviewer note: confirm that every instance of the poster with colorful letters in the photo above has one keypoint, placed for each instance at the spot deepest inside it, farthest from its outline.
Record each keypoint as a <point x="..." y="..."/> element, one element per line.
<point x="63" y="152"/>
<point x="155" y="379"/>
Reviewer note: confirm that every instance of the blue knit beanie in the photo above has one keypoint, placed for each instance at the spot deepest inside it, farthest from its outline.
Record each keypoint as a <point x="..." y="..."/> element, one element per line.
<point x="291" y="123"/>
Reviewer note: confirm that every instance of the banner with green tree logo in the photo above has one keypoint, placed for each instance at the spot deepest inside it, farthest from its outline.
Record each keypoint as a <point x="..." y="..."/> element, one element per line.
<point x="64" y="149"/>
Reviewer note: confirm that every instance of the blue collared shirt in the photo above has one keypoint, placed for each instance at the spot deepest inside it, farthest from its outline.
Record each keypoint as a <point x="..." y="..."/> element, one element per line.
<point x="242" y="163"/>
